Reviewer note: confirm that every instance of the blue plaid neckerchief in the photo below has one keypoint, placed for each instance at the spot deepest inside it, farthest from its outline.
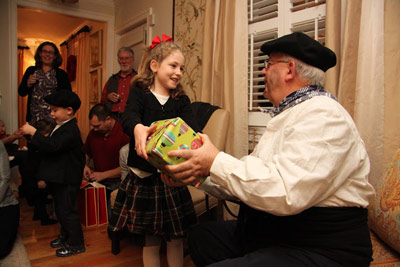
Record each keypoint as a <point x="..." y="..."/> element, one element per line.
<point x="299" y="96"/>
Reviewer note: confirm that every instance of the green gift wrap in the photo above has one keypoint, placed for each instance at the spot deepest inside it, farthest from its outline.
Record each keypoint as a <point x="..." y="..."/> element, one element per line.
<point x="171" y="134"/>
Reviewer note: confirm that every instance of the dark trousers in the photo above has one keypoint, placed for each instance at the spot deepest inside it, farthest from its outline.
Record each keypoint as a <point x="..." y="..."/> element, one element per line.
<point x="65" y="196"/>
<point x="216" y="244"/>
<point x="9" y="222"/>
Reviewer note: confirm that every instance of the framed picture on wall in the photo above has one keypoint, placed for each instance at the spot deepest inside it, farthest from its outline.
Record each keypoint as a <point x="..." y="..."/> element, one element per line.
<point x="95" y="86"/>
<point x="96" y="48"/>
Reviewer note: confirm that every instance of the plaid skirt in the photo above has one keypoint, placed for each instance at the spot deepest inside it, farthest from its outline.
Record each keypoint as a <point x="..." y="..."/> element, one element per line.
<point x="146" y="206"/>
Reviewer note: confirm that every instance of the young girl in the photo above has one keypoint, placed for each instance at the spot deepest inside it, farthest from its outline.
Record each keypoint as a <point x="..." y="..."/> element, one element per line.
<point x="147" y="207"/>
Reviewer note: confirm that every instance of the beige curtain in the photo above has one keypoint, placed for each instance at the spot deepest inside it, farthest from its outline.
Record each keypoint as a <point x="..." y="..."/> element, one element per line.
<point x="64" y="55"/>
<point x="366" y="40"/>
<point x="224" y="72"/>
<point x="80" y="48"/>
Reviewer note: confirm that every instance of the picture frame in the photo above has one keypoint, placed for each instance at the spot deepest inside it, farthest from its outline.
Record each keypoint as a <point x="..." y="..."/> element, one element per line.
<point x="95" y="86"/>
<point x="96" y="48"/>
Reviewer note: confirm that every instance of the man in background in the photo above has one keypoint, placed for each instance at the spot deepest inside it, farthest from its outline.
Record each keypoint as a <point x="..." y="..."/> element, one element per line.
<point x="116" y="91"/>
<point x="102" y="146"/>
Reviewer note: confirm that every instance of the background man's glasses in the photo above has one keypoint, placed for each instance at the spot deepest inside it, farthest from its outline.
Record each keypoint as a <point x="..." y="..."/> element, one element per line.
<point x="268" y="61"/>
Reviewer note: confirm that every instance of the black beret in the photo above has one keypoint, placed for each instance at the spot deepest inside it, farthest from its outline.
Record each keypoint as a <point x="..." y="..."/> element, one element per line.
<point x="303" y="47"/>
<point x="64" y="99"/>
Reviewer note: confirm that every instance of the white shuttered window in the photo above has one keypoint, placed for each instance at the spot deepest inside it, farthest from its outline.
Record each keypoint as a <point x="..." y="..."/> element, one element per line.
<point x="268" y="20"/>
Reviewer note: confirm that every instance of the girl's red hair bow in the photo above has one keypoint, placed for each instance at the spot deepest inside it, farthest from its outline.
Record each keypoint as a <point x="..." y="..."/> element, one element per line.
<point x="157" y="40"/>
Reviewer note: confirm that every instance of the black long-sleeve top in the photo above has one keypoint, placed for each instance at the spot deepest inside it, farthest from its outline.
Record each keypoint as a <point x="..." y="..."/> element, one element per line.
<point x="23" y="89"/>
<point x="143" y="107"/>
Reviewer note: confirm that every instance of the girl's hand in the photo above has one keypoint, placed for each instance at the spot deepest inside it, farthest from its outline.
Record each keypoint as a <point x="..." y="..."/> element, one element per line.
<point x="168" y="180"/>
<point x="141" y="133"/>
<point x="31" y="80"/>
<point x="28" y="129"/>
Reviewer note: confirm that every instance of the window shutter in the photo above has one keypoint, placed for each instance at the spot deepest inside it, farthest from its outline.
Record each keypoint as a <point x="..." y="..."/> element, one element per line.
<point x="268" y="20"/>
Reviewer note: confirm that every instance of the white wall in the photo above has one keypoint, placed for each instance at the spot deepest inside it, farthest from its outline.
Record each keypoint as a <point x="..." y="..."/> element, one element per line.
<point x="162" y="10"/>
<point x="8" y="100"/>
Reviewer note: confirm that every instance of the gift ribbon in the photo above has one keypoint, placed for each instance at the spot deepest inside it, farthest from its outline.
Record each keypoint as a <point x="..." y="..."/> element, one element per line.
<point x="157" y="40"/>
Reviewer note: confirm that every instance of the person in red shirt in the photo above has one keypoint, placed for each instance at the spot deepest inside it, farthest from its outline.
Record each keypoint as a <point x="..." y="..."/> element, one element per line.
<point x="116" y="91"/>
<point x="102" y="145"/>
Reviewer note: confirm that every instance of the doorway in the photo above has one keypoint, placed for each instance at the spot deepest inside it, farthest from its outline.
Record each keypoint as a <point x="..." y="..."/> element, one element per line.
<point x="34" y="28"/>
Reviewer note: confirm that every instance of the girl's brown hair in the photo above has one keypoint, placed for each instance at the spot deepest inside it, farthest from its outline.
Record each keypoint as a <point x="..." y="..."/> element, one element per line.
<point x="145" y="76"/>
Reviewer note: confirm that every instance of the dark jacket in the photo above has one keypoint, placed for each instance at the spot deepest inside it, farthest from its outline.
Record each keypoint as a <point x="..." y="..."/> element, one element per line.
<point x="62" y="157"/>
<point x="143" y="107"/>
<point x="23" y="89"/>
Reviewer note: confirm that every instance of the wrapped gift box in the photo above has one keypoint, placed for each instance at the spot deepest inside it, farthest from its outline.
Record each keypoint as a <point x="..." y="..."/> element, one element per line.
<point x="171" y="134"/>
<point x="92" y="204"/>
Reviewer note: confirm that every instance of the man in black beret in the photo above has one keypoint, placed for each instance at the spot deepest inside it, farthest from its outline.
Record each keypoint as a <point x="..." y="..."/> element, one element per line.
<point x="61" y="167"/>
<point x="303" y="191"/>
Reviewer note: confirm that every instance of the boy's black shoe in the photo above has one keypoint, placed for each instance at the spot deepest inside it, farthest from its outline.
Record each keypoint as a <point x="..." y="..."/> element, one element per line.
<point x="59" y="242"/>
<point x="68" y="250"/>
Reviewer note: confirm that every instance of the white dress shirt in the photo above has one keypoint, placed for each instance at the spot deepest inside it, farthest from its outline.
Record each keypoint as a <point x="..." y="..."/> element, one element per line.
<point x="311" y="155"/>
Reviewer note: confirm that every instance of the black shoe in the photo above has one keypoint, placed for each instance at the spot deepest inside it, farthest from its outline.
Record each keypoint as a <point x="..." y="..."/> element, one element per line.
<point x="48" y="221"/>
<point x="59" y="242"/>
<point x="68" y="250"/>
<point x="114" y="236"/>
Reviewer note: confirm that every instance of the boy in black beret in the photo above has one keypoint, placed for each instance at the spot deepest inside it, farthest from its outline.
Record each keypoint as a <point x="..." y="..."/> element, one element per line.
<point x="61" y="167"/>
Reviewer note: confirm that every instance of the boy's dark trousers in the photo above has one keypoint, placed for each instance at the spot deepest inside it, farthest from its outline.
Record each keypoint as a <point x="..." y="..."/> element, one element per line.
<point x="65" y="196"/>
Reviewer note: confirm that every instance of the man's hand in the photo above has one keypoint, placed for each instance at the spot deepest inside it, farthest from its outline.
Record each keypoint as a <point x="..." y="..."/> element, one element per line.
<point x="97" y="176"/>
<point x="198" y="161"/>
<point x="113" y="97"/>
<point x="41" y="184"/>
<point x="86" y="173"/>
<point x="168" y="180"/>
<point x="141" y="133"/>
<point x="28" y="129"/>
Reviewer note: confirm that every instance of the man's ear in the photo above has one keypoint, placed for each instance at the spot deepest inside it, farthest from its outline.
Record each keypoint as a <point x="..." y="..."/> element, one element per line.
<point x="154" y="65"/>
<point x="291" y="70"/>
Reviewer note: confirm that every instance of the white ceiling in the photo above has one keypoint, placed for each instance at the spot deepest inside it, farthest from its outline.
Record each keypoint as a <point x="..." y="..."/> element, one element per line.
<point x="34" y="24"/>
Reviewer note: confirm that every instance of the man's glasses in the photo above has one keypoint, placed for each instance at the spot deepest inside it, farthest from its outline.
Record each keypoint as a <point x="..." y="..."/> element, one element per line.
<point x="268" y="61"/>
<point x="52" y="53"/>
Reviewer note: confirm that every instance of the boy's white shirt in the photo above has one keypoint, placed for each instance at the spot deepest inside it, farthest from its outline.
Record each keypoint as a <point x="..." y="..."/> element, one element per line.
<point x="59" y="125"/>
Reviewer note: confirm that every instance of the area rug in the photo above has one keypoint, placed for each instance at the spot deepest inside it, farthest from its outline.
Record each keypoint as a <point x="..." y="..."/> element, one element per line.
<point x="17" y="257"/>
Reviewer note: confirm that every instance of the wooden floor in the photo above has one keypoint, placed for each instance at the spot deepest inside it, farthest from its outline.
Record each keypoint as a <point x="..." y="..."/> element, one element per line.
<point x="36" y="239"/>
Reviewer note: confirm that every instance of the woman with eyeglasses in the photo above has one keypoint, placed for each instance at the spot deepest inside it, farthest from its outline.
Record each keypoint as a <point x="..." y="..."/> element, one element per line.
<point x="41" y="80"/>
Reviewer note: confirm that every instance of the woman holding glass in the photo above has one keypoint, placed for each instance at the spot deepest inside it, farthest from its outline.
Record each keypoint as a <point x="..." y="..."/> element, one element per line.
<point x="41" y="80"/>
